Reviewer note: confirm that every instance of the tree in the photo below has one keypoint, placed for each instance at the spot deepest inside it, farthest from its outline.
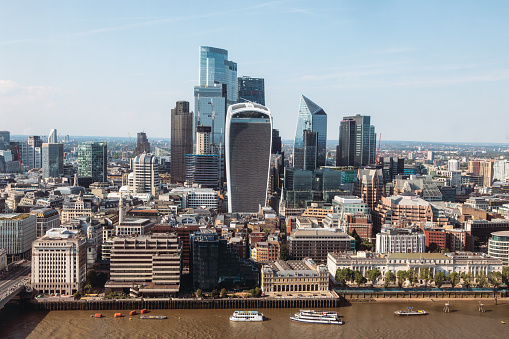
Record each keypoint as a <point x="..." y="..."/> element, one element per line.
<point x="92" y="278"/>
<point x="495" y="278"/>
<point x="389" y="278"/>
<point x="401" y="277"/>
<point x="214" y="293"/>
<point x="267" y="233"/>
<point x="199" y="293"/>
<point x="425" y="275"/>
<point x="223" y="293"/>
<point x="433" y="247"/>
<point x="481" y="279"/>
<point x="359" y="278"/>
<point x="283" y="253"/>
<point x="343" y="275"/>
<point x="257" y="292"/>
<point x="454" y="279"/>
<point x="366" y="246"/>
<point x="505" y="275"/>
<point x="412" y="276"/>
<point x="358" y="240"/>
<point x="467" y="279"/>
<point x="439" y="279"/>
<point x="373" y="275"/>
<point x="87" y="288"/>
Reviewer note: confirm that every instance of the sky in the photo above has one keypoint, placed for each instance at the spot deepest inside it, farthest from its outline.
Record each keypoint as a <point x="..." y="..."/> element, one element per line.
<point x="423" y="70"/>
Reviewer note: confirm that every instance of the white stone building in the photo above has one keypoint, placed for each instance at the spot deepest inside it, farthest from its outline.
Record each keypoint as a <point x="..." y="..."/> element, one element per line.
<point x="400" y="240"/>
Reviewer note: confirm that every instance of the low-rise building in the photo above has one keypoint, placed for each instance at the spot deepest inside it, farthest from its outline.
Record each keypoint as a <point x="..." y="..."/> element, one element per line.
<point x="316" y="243"/>
<point x="134" y="226"/>
<point x="47" y="218"/>
<point x="265" y="251"/>
<point x="17" y="232"/>
<point x="400" y="240"/>
<point x="59" y="262"/>
<point x="294" y="276"/>
<point x="74" y="209"/>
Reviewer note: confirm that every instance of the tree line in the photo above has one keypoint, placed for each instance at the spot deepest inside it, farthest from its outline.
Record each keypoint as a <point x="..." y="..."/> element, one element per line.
<point x="344" y="276"/>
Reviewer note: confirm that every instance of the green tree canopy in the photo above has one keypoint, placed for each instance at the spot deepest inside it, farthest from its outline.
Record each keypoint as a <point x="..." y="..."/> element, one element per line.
<point x="481" y="279"/>
<point x="373" y="275"/>
<point x="467" y="279"/>
<point x="359" y="278"/>
<point x="495" y="278"/>
<point x="283" y="253"/>
<point x="401" y="277"/>
<point x="505" y="275"/>
<point x="343" y="275"/>
<point x="439" y="279"/>
<point x="199" y="293"/>
<point x="454" y="279"/>
<point x="425" y="274"/>
<point x="389" y="278"/>
<point x="223" y="293"/>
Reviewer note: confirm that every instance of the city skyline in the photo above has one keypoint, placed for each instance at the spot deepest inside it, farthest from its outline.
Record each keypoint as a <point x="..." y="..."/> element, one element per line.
<point x="119" y="64"/>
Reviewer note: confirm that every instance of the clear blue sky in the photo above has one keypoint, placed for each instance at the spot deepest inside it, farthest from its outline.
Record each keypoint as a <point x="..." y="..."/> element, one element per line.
<point x="423" y="70"/>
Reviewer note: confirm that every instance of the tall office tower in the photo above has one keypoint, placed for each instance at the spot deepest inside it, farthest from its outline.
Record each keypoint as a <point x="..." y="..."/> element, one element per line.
<point x="142" y="144"/>
<point x="313" y="118"/>
<point x="276" y="142"/>
<point x="203" y="139"/>
<point x="145" y="175"/>
<point x="215" y="68"/>
<point x="52" y="160"/>
<point x="52" y="137"/>
<point x="431" y="156"/>
<point x="248" y="145"/>
<point x="5" y="140"/>
<point x="34" y="156"/>
<point x="251" y="90"/>
<point x="310" y="150"/>
<point x="181" y="139"/>
<point x="93" y="161"/>
<point x="357" y="142"/>
<point x="453" y="165"/>
<point x="474" y="167"/>
<point x="392" y="167"/>
<point x="501" y="170"/>
<point x="202" y="169"/>
<point x="486" y="170"/>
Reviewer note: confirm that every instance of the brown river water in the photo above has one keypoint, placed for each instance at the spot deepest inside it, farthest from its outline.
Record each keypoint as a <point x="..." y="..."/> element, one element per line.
<point x="362" y="320"/>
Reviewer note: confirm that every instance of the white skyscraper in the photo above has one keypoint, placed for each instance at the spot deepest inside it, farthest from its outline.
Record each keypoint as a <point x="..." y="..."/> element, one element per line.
<point x="52" y="137"/>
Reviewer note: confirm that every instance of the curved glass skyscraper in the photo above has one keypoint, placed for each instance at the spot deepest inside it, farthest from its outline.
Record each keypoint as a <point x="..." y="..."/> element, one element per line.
<point x="311" y="118"/>
<point x="248" y="145"/>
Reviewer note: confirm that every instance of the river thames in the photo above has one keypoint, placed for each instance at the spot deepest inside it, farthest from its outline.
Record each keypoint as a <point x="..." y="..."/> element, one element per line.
<point x="362" y="320"/>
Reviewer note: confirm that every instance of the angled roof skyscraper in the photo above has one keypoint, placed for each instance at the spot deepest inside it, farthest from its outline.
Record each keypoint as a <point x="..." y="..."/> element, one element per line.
<point x="311" y="118"/>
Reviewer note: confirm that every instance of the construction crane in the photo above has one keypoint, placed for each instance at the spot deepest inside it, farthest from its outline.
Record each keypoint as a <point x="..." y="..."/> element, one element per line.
<point x="378" y="152"/>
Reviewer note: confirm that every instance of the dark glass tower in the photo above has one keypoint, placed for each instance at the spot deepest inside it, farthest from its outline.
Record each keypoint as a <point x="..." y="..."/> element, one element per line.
<point x="142" y="144"/>
<point x="357" y="142"/>
<point x="92" y="161"/>
<point x="251" y="90"/>
<point x="248" y="146"/>
<point x="52" y="160"/>
<point x="181" y="139"/>
<point x="311" y="118"/>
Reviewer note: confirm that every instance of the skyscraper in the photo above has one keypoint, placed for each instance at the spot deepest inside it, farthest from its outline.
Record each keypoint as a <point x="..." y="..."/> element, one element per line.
<point x="142" y="144"/>
<point x="312" y="118"/>
<point x="251" y="90"/>
<point x="181" y="139"/>
<point x="52" y="137"/>
<point x="248" y="151"/>
<point x="34" y="158"/>
<point x="5" y="140"/>
<point x="310" y="150"/>
<point x="357" y="142"/>
<point x="215" y="68"/>
<point x="145" y="175"/>
<point x="203" y="139"/>
<point x="52" y="160"/>
<point x="202" y="169"/>
<point x="92" y="161"/>
<point x="276" y="142"/>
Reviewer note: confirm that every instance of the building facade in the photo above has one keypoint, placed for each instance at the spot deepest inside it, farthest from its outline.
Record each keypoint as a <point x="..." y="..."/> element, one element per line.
<point x="357" y="142"/>
<point x="145" y="175"/>
<point x="52" y="160"/>
<point x="17" y="232"/>
<point x="251" y="90"/>
<point x="315" y="243"/>
<point x="498" y="246"/>
<point x="248" y="146"/>
<point x="400" y="240"/>
<point x="181" y="139"/>
<point x="142" y="144"/>
<point x="93" y="160"/>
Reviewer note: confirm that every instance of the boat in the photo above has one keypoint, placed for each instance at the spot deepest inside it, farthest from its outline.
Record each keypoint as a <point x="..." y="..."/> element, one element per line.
<point x="132" y="313"/>
<point x="98" y="315"/>
<point x="317" y="317"/>
<point x="117" y="315"/>
<point x="153" y="317"/>
<point x="143" y="311"/>
<point x="410" y="311"/>
<point x="246" y="316"/>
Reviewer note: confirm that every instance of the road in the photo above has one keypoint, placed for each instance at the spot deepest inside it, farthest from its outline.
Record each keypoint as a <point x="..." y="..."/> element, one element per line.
<point x="13" y="279"/>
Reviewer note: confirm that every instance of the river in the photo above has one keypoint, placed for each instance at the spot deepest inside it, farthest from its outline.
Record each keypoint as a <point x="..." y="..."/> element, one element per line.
<point x="362" y="320"/>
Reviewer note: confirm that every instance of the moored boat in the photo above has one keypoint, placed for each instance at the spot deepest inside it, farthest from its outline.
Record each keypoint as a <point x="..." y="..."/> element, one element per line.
<point x="410" y="311"/>
<point x="153" y="317"/>
<point x="246" y="316"/>
<point x="317" y="317"/>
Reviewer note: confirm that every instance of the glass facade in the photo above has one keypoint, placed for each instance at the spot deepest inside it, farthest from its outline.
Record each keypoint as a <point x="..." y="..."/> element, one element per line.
<point x="251" y="90"/>
<point x="52" y="160"/>
<point x="312" y="118"/>
<point x="92" y="161"/>
<point x="215" y="68"/>
<point x="357" y="142"/>
<point x="209" y="100"/>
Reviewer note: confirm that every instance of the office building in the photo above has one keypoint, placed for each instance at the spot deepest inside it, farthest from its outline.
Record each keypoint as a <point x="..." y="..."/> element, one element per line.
<point x="193" y="197"/>
<point x="400" y="240"/>
<point x="294" y="276"/>
<point x="316" y="243"/>
<point x="52" y="137"/>
<point x="486" y="170"/>
<point x="203" y="140"/>
<point x="3" y="260"/>
<point x="276" y="142"/>
<point x="215" y="68"/>
<point x="453" y="165"/>
<point x="265" y="251"/>
<point x="32" y="157"/>
<point x="311" y="118"/>
<point x="92" y="161"/>
<point x="59" y="262"/>
<point x="17" y="232"/>
<point x="248" y="145"/>
<point x="357" y="142"/>
<point x="251" y="90"/>
<point x="142" y="144"/>
<point x="369" y="186"/>
<point x="391" y="167"/>
<point x="145" y="175"/>
<point x="73" y="209"/>
<point x="47" y="218"/>
<point x="501" y="170"/>
<point x="498" y="246"/>
<point x="202" y="169"/>
<point x="5" y="140"/>
<point x="152" y="263"/>
<point x="181" y="139"/>
<point x="52" y="160"/>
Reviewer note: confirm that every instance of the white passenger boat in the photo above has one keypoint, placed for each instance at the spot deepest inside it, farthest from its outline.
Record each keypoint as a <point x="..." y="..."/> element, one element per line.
<point x="410" y="311"/>
<point x="246" y="316"/>
<point x="317" y="317"/>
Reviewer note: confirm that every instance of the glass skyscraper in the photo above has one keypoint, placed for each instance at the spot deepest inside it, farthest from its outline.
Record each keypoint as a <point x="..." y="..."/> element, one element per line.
<point x="248" y="146"/>
<point x="251" y="90"/>
<point x="215" y="68"/>
<point x="52" y="160"/>
<point x="357" y="142"/>
<point x="92" y="161"/>
<point x="311" y="118"/>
